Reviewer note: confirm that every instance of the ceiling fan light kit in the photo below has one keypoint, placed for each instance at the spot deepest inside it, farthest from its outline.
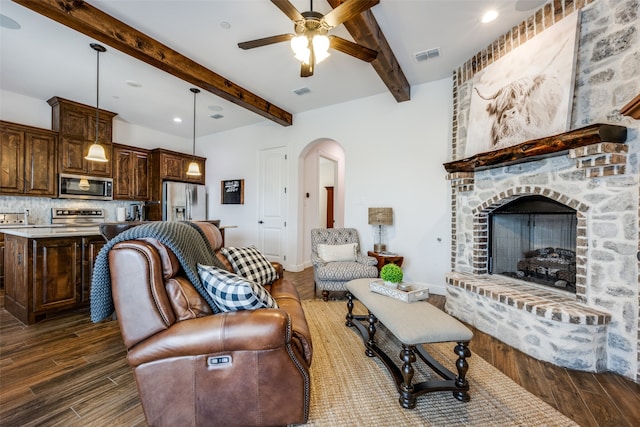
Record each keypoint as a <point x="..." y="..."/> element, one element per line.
<point x="310" y="42"/>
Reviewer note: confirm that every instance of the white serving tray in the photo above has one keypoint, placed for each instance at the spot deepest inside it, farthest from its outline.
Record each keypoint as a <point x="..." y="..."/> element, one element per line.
<point x="416" y="292"/>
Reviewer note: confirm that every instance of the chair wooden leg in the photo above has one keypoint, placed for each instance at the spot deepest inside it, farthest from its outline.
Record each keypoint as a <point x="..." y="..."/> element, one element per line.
<point x="325" y="295"/>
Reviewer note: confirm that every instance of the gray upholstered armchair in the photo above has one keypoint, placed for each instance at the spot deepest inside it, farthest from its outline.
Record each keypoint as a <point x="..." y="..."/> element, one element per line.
<point x="336" y="258"/>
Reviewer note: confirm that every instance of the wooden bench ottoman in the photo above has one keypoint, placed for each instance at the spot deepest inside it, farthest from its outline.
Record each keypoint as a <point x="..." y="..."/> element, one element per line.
<point x="413" y="324"/>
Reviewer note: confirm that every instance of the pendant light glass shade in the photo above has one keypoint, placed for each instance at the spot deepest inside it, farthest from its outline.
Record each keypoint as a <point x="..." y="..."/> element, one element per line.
<point x="96" y="151"/>
<point x="193" y="168"/>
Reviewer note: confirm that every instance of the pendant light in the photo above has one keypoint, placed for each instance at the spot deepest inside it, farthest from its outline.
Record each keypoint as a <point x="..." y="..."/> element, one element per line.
<point x="194" y="168"/>
<point x="96" y="151"/>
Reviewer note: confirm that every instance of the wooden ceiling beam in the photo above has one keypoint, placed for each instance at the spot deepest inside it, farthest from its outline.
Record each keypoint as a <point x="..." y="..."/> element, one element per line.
<point x="365" y="31"/>
<point x="86" y="19"/>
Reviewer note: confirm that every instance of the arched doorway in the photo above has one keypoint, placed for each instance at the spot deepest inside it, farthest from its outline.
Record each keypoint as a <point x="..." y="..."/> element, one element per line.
<point x="322" y="164"/>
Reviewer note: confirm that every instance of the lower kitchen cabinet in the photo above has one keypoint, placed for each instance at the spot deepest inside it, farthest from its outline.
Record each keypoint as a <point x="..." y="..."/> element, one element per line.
<point x="48" y="275"/>
<point x="90" y="248"/>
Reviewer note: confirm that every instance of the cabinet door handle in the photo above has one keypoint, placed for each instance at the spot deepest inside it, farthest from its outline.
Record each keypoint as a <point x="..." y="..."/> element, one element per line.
<point x="19" y="259"/>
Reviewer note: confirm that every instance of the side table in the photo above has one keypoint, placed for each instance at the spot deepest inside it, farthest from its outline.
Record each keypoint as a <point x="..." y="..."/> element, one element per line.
<point x="386" y="259"/>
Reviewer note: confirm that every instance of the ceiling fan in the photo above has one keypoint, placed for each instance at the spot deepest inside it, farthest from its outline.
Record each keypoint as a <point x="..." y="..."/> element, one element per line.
<point x="310" y="41"/>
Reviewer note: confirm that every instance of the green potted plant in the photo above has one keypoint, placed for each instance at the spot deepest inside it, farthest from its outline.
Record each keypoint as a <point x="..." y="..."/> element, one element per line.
<point x="391" y="274"/>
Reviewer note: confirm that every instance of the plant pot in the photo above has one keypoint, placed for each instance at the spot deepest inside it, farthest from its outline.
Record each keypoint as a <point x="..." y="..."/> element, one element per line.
<point x="392" y="285"/>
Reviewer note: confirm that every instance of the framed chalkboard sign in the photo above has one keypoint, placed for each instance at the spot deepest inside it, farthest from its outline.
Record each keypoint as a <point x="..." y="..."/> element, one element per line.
<point x="232" y="192"/>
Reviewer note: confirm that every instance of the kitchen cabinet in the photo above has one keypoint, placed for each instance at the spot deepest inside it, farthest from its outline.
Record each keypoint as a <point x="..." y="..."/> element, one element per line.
<point x="169" y="165"/>
<point x="1" y="261"/>
<point x="48" y="275"/>
<point x="91" y="246"/>
<point x="76" y="124"/>
<point x="131" y="173"/>
<point x="173" y="166"/>
<point x="27" y="155"/>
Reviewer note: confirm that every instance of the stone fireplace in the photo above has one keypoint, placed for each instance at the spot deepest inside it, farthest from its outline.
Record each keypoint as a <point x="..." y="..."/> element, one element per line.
<point x="591" y="322"/>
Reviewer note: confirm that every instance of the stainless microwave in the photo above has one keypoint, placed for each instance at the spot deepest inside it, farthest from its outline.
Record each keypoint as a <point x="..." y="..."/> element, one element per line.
<point x="84" y="187"/>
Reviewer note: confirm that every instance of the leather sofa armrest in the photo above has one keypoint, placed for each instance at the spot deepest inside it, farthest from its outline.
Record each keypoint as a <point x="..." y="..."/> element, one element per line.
<point x="279" y="269"/>
<point x="248" y="330"/>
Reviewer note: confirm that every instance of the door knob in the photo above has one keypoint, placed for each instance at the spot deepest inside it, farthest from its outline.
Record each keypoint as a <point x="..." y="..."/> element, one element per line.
<point x="260" y="222"/>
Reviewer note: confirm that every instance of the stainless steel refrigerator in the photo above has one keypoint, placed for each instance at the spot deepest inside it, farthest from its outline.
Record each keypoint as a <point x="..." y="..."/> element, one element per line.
<point x="182" y="201"/>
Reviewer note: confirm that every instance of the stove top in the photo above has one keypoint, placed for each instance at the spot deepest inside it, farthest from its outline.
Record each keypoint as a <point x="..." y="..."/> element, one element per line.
<point x="77" y="217"/>
<point x="13" y="219"/>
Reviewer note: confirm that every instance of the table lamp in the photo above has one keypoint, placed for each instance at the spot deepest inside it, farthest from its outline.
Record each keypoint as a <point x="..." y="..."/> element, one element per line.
<point x="380" y="217"/>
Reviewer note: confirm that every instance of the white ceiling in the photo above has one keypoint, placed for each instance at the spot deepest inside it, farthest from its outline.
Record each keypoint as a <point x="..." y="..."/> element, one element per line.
<point x="44" y="59"/>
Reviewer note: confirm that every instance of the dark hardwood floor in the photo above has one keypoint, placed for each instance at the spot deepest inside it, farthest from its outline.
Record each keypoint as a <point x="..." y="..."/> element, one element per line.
<point x="67" y="371"/>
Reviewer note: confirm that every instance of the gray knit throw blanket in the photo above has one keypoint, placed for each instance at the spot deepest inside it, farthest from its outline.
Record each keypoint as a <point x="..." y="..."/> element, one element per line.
<point x="184" y="239"/>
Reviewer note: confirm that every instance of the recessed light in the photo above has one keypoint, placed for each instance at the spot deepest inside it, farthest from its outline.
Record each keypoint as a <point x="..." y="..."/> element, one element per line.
<point x="177" y="119"/>
<point x="8" y="23"/>
<point x="489" y="16"/>
<point x="225" y="25"/>
<point x="215" y="108"/>
<point x="216" y="116"/>
<point x="133" y="83"/>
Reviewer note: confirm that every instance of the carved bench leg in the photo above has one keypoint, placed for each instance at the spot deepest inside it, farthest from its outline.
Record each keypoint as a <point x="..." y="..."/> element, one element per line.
<point x="463" y="352"/>
<point x="407" y="398"/>
<point x="349" y="321"/>
<point x="372" y="330"/>
<point x="325" y="295"/>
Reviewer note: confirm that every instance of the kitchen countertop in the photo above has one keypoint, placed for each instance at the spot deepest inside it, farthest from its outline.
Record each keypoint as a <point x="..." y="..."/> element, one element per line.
<point x="39" y="232"/>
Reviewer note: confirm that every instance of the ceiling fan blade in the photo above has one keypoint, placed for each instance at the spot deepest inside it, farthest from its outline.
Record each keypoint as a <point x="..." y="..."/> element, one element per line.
<point x="306" y="70"/>
<point x="347" y="10"/>
<point x="265" y="41"/>
<point x="353" y="49"/>
<point x="288" y="9"/>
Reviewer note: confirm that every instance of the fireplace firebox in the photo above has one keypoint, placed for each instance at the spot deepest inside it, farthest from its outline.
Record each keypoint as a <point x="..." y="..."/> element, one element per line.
<point x="533" y="238"/>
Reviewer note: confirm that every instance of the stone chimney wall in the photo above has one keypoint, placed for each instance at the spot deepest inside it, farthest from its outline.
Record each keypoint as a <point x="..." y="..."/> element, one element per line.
<point x="607" y="78"/>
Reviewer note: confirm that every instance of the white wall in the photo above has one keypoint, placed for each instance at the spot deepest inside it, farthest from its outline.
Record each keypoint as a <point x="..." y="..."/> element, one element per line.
<point x="393" y="157"/>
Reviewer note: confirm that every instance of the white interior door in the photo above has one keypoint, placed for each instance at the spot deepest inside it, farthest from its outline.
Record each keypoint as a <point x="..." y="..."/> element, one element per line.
<point x="272" y="203"/>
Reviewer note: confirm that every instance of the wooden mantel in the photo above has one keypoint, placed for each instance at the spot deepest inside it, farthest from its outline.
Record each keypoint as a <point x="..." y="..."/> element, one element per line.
<point x="632" y="109"/>
<point x="540" y="148"/>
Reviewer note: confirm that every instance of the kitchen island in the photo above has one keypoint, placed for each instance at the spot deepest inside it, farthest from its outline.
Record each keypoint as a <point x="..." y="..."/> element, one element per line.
<point x="48" y="269"/>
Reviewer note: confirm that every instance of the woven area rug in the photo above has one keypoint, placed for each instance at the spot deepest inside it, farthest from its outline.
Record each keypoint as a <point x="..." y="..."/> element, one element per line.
<point x="351" y="389"/>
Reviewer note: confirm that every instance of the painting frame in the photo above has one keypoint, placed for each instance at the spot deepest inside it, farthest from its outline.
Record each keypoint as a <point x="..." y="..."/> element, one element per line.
<point x="537" y="99"/>
<point x="232" y="192"/>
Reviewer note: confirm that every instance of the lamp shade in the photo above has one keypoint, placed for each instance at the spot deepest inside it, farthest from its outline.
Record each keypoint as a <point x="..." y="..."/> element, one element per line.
<point x="380" y="216"/>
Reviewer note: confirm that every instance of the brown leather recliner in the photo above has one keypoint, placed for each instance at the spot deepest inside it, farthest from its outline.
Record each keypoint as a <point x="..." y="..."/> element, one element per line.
<point x="195" y="368"/>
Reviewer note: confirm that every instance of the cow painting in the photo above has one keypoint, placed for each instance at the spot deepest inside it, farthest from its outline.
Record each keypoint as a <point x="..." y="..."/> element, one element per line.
<point x="523" y="109"/>
<point x="525" y="94"/>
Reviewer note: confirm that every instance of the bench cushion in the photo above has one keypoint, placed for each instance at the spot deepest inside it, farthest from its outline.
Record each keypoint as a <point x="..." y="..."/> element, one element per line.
<point x="412" y="323"/>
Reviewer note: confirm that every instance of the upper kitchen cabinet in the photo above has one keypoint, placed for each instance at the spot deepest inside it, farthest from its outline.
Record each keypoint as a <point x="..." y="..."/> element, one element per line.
<point x="76" y="124"/>
<point x="131" y="173"/>
<point x="27" y="157"/>
<point x="173" y="166"/>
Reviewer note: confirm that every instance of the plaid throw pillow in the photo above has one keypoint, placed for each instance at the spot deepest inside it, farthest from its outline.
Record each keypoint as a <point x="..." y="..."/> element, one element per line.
<point x="232" y="292"/>
<point x="251" y="264"/>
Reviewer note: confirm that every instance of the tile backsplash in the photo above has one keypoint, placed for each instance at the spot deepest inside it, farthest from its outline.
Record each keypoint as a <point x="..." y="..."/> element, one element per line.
<point x="39" y="208"/>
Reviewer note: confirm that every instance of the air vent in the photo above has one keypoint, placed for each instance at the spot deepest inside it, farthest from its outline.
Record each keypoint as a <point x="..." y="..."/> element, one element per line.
<point x="216" y="116"/>
<point x="302" y="91"/>
<point x="427" y="54"/>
